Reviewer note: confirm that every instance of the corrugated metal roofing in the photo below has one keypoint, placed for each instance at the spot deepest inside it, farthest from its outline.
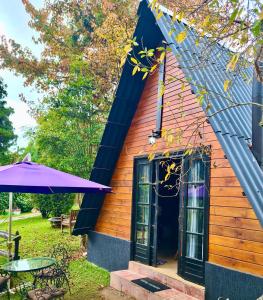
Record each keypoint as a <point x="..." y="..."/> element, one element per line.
<point x="232" y="126"/>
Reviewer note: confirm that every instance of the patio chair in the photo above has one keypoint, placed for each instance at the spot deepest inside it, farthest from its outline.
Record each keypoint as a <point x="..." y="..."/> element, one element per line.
<point x="57" y="275"/>
<point x="43" y="290"/>
<point x="4" y="278"/>
<point x="69" y="221"/>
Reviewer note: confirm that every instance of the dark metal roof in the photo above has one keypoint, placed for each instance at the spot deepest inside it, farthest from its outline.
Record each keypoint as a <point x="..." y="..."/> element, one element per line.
<point x="232" y="126"/>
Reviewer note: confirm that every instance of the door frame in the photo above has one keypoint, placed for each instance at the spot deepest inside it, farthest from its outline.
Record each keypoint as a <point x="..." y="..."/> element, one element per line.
<point x="183" y="220"/>
<point x="134" y="193"/>
<point x="176" y="155"/>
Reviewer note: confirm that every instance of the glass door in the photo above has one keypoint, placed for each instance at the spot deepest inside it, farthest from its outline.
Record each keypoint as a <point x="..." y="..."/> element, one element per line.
<point x="193" y="219"/>
<point x="142" y="210"/>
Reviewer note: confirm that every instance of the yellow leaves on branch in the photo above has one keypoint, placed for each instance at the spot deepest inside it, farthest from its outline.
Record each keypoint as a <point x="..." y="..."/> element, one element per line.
<point x="134" y="60"/>
<point x="178" y="17"/>
<point x="181" y="37"/>
<point x="151" y="156"/>
<point x="159" y="15"/>
<point x="153" y="68"/>
<point x="233" y="62"/>
<point x="188" y="151"/>
<point x="166" y="153"/>
<point x="162" y="89"/>
<point x="162" y="56"/>
<point x="135" y="70"/>
<point x="226" y="84"/>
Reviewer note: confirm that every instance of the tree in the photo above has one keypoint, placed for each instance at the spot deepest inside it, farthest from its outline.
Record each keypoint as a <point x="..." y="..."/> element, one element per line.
<point x="69" y="127"/>
<point x="7" y="136"/>
<point x="78" y="70"/>
<point x="71" y="31"/>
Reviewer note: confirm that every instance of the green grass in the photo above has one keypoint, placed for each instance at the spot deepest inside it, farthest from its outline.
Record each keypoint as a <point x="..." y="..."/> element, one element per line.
<point x="37" y="239"/>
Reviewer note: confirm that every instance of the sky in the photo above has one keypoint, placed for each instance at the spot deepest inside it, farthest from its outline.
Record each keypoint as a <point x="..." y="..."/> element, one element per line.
<point x="14" y="24"/>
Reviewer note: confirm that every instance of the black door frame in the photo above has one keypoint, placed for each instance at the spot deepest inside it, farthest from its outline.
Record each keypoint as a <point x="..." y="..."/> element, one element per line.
<point x="182" y="216"/>
<point x="183" y="260"/>
<point x="158" y="156"/>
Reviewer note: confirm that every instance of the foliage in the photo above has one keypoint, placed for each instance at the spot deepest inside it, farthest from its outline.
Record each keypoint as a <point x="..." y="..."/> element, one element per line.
<point x="53" y="205"/>
<point x="77" y="72"/>
<point x="92" y="31"/>
<point x="69" y="127"/>
<point x="23" y="201"/>
<point x="4" y="201"/>
<point x="38" y="238"/>
<point x="7" y="136"/>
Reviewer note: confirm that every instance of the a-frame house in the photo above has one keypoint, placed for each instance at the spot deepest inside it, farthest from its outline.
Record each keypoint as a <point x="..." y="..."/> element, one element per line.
<point x="210" y="232"/>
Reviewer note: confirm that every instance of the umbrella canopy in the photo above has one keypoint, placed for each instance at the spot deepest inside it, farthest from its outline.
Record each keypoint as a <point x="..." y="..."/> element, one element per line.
<point x="29" y="177"/>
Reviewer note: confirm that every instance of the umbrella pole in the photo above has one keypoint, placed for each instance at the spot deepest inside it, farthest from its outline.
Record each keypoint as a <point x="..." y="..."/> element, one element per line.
<point x="9" y="244"/>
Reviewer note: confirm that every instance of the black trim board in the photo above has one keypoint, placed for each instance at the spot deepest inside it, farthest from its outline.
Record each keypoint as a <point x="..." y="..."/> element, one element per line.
<point x="108" y="252"/>
<point x="231" y="284"/>
<point x="123" y="109"/>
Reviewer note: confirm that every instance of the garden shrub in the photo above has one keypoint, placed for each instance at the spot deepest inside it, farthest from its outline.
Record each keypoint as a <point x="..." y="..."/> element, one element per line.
<point x="24" y="202"/>
<point x="4" y="202"/>
<point x="53" y="205"/>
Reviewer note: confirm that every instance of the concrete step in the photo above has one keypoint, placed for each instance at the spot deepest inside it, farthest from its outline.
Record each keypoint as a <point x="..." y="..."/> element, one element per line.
<point x="175" y="282"/>
<point x="122" y="281"/>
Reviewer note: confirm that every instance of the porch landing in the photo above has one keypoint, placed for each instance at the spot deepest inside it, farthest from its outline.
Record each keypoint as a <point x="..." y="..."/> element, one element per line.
<point x="180" y="289"/>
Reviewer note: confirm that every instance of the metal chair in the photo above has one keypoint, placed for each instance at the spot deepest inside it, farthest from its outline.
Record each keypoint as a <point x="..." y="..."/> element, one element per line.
<point x="43" y="290"/>
<point x="57" y="275"/>
<point x="4" y="278"/>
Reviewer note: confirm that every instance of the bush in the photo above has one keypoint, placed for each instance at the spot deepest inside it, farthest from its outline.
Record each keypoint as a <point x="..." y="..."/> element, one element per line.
<point x="4" y="202"/>
<point x="53" y="205"/>
<point x="24" y="202"/>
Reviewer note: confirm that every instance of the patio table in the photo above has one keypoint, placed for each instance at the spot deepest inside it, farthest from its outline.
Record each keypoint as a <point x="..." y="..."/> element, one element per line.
<point x="30" y="265"/>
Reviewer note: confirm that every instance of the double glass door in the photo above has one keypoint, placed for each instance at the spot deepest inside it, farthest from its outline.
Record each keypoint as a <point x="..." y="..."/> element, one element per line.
<point x="192" y="220"/>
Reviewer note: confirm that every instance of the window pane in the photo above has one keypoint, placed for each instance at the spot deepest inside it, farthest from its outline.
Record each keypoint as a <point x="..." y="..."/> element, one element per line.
<point x="142" y="234"/>
<point x="194" y="246"/>
<point x="196" y="173"/>
<point x="144" y="173"/>
<point x="143" y="214"/>
<point x="195" y="220"/>
<point x="144" y="193"/>
<point x="196" y="195"/>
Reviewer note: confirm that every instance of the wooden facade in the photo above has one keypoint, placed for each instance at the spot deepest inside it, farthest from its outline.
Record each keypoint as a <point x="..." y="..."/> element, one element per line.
<point x="235" y="234"/>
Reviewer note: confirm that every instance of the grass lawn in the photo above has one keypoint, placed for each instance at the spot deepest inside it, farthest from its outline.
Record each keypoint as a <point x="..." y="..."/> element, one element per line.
<point x="37" y="239"/>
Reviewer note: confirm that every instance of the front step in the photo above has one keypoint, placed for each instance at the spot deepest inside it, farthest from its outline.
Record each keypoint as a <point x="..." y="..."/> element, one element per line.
<point x="175" y="282"/>
<point x="179" y="289"/>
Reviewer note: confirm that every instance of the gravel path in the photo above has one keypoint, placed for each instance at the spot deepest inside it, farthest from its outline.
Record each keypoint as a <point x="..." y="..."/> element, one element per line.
<point x="4" y="219"/>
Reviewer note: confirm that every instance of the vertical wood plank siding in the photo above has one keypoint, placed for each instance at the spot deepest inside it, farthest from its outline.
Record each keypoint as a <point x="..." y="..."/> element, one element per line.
<point x="235" y="235"/>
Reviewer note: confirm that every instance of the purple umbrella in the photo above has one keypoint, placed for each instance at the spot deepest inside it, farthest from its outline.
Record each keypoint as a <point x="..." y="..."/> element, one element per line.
<point x="29" y="177"/>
